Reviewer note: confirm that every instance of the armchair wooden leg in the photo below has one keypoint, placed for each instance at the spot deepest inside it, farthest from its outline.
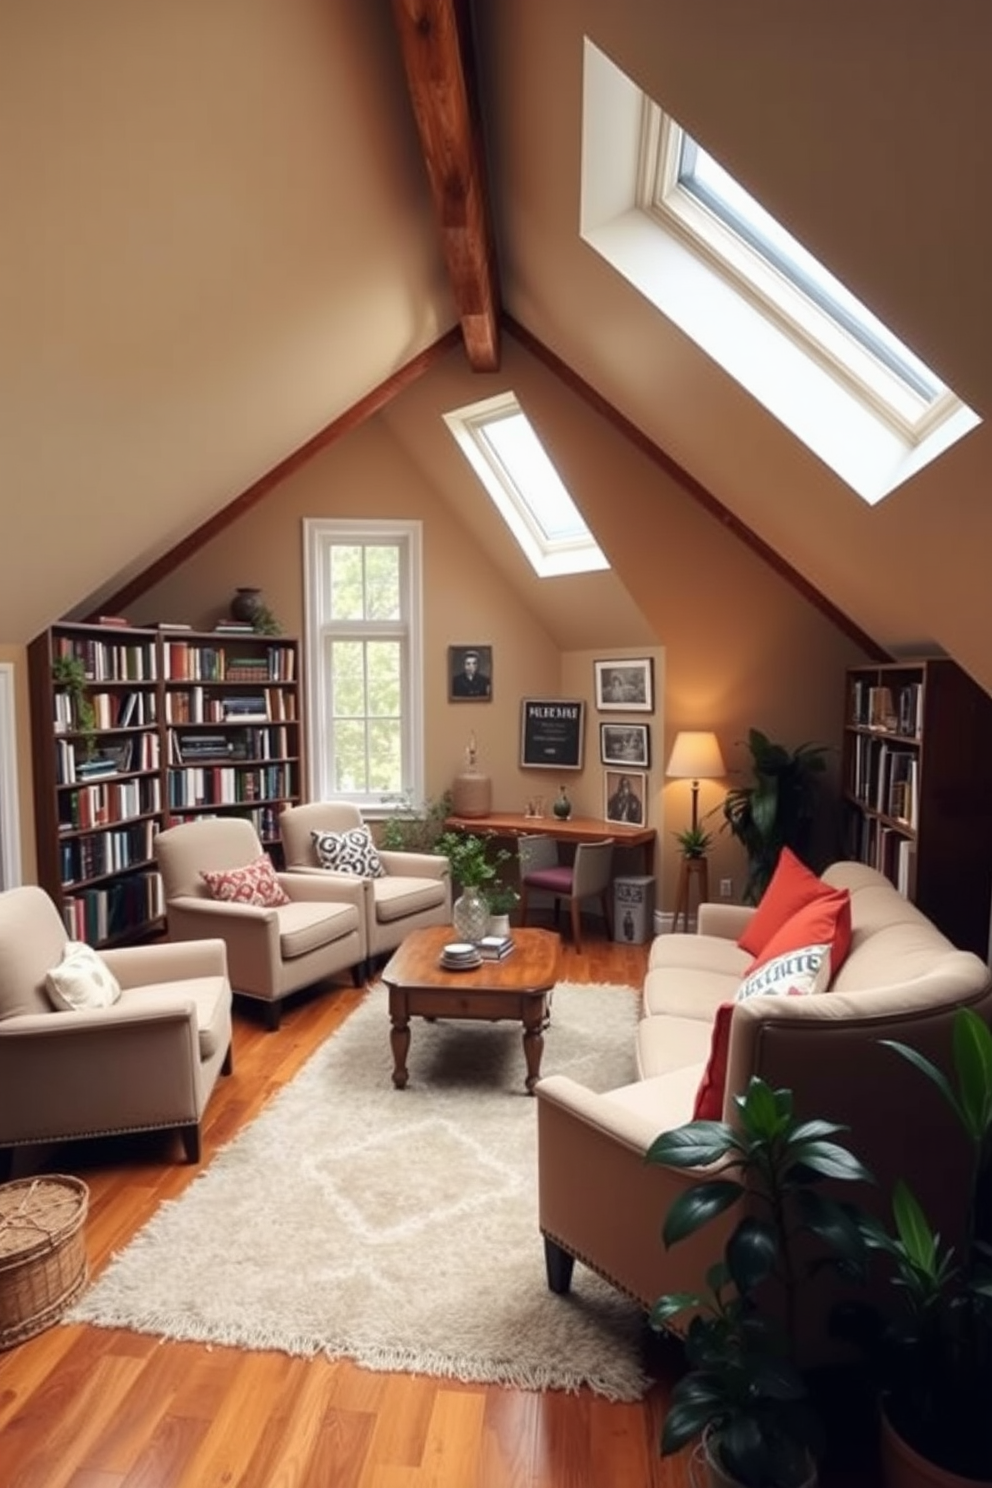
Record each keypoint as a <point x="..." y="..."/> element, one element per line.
<point x="523" y="904"/>
<point x="559" y="1266"/>
<point x="227" y="1067"/>
<point x="607" y="913"/>
<point x="273" y="1015"/>
<point x="191" y="1142"/>
<point x="577" y="924"/>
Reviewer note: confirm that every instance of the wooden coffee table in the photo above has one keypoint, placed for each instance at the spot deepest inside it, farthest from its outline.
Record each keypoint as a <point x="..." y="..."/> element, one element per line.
<point x="516" y="987"/>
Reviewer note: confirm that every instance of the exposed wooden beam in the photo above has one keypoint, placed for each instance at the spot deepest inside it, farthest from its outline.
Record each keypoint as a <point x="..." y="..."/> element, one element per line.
<point x="213" y="526"/>
<point x="436" y="42"/>
<point x="698" y="492"/>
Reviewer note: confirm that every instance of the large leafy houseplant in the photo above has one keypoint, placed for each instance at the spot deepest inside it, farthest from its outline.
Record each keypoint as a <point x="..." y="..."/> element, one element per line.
<point x="473" y="862"/>
<point x="777" y="809"/>
<point x="743" y="1393"/>
<point x="931" y="1354"/>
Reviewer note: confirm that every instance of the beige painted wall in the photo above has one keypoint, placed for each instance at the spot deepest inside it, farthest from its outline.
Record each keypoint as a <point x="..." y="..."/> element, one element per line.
<point x="734" y="644"/>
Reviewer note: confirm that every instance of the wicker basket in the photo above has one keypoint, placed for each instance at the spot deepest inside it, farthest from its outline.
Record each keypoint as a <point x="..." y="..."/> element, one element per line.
<point x="42" y="1252"/>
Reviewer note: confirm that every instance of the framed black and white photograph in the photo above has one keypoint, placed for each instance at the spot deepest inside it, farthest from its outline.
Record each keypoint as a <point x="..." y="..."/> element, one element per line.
<point x="470" y="674"/>
<point x="625" y="744"/>
<point x="625" y="797"/>
<point x="551" y="732"/>
<point x="625" y="686"/>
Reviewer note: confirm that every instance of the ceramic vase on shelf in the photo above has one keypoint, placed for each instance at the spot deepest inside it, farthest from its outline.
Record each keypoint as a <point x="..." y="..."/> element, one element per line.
<point x="470" y="914"/>
<point x="245" y="604"/>
<point x="562" y="807"/>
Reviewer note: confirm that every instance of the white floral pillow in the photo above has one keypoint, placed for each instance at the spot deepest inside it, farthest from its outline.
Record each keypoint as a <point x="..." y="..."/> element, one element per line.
<point x="82" y="979"/>
<point x="349" y="852"/>
<point x="792" y="974"/>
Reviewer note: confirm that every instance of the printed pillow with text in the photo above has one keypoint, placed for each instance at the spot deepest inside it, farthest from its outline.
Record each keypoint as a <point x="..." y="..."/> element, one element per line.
<point x="255" y="884"/>
<point x="349" y="852"/>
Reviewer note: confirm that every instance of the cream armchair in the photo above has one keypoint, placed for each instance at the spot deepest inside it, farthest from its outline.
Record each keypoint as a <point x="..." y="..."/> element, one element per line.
<point x="147" y="1061"/>
<point x="414" y="890"/>
<point x="271" y="950"/>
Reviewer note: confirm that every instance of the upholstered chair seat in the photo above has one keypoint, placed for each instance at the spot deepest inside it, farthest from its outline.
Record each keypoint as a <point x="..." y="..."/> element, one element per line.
<point x="401" y="891"/>
<point x="587" y="877"/>
<point x="133" y="1042"/>
<point x="288" y="933"/>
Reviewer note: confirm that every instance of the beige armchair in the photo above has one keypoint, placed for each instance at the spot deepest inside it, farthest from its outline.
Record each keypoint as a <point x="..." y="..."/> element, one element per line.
<point x="147" y="1061"/>
<point x="414" y="890"/>
<point x="587" y="877"/>
<point x="272" y="950"/>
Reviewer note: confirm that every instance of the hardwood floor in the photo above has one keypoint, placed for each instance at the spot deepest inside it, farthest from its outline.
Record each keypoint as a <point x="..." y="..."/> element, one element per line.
<point x="84" y="1407"/>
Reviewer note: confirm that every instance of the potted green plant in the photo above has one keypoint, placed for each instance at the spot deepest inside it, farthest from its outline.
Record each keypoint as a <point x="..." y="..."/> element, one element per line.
<point x="931" y="1355"/>
<point x="743" y="1397"/>
<point x="502" y="898"/>
<point x="694" y="842"/>
<point x="69" y="673"/>
<point x="777" y="809"/>
<point x="475" y="865"/>
<point x="412" y="829"/>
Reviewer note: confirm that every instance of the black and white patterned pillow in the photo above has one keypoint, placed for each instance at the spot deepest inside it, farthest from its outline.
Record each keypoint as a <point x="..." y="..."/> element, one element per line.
<point x="349" y="852"/>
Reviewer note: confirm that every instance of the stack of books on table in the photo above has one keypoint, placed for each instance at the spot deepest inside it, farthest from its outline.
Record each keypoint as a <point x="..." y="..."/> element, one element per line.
<point x="495" y="947"/>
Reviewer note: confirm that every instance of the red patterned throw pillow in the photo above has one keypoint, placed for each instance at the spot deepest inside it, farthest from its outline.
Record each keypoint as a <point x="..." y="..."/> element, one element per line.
<point x="256" y="883"/>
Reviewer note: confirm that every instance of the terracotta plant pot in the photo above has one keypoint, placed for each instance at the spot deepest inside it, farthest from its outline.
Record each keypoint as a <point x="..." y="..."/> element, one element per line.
<point x="902" y="1467"/>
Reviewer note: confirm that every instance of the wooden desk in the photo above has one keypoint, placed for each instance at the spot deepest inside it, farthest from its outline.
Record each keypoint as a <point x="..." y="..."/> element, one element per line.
<point x="574" y="829"/>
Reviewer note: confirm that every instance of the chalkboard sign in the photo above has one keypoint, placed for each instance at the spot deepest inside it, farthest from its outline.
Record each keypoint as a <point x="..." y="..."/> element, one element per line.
<point x="551" y="733"/>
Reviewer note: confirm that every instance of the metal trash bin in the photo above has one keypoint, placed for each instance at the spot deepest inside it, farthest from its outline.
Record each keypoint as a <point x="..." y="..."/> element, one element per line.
<point x="633" y="910"/>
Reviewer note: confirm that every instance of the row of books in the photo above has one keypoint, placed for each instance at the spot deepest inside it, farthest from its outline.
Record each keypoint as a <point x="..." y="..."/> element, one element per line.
<point x="254" y="743"/>
<point x="111" y="661"/>
<point x="76" y="764"/>
<point x="192" y="661"/>
<point x="199" y="705"/>
<point x="887" y="849"/>
<point x="111" y="710"/>
<point x="110" y="851"/>
<point x="886" y="778"/>
<point x="893" y="710"/>
<point x="107" y="803"/>
<point x="220" y="785"/>
<point x="101" y="914"/>
<point x="265" y="819"/>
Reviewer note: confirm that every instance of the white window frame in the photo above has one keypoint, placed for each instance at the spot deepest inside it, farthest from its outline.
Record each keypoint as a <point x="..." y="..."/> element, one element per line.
<point x="10" y="816"/>
<point x="319" y="536"/>
<point x="549" y="557"/>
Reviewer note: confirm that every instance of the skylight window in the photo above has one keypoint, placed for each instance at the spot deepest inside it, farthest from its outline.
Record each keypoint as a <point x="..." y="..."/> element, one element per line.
<point x="668" y="217"/>
<point x="498" y="440"/>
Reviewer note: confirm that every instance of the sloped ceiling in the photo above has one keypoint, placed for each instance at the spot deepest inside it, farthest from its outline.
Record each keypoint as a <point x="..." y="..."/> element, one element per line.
<point x="218" y="235"/>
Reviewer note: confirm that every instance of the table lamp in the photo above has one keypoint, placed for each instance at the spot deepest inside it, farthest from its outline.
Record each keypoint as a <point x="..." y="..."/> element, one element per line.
<point x="695" y="756"/>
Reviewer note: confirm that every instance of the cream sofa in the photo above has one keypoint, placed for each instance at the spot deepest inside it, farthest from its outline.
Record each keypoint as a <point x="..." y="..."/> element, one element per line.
<point x="602" y="1205"/>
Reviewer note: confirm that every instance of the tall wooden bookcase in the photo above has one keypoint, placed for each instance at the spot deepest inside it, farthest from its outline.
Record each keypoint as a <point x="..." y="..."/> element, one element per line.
<point x="182" y="725"/>
<point x="917" y="780"/>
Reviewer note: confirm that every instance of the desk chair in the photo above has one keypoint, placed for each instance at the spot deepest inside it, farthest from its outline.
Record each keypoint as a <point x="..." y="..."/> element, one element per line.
<point x="586" y="878"/>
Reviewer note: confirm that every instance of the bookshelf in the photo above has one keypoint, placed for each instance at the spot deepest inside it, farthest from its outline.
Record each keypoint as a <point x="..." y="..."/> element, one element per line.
<point x="917" y="787"/>
<point x="97" y="777"/>
<point x="232" y="727"/>
<point x="170" y="726"/>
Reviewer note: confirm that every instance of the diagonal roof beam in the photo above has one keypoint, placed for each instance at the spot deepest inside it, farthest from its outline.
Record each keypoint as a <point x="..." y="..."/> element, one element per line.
<point x="436" y="42"/>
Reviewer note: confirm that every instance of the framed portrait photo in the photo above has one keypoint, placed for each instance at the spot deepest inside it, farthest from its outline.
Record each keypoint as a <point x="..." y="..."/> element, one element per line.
<point x="470" y="674"/>
<point x="551" y="733"/>
<point x="625" y="797"/>
<point x="625" y="686"/>
<point x="625" y="744"/>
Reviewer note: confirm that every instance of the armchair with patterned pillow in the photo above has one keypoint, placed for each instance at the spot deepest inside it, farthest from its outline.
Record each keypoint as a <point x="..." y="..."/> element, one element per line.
<point x="401" y="891"/>
<point x="282" y="932"/>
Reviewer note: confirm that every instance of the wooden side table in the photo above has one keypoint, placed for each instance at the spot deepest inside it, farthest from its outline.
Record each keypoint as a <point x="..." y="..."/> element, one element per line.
<point x="692" y="870"/>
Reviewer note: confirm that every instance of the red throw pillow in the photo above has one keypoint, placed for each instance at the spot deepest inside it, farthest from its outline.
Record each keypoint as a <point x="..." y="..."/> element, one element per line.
<point x="790" y="887"/>
<point x="826" y="921"/>
<point x="709" y="1096"/>
<point x="256" y="884"/>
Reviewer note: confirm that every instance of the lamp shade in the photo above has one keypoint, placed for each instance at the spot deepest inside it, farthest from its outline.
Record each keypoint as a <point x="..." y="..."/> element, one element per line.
<point x="695" y="756"/>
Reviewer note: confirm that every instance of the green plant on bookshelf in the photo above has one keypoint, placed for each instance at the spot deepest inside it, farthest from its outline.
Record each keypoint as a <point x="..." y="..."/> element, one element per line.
<point x="69" y="673"/>
<point x="264" y="620"/>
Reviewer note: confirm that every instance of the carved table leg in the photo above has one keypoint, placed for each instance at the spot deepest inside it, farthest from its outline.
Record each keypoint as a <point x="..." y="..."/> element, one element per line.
<point x="535" y="1018"/>
<point x="399" y="1037"/>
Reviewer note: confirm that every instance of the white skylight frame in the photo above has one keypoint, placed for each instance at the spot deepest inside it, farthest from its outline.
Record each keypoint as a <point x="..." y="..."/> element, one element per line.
<point x="807" y="389"/>
<point x="502" y="446"/>
<point x="786" y="281"/>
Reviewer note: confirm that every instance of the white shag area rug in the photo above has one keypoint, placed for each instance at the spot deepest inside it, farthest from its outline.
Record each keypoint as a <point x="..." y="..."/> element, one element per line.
<point x="395" y="1228"/>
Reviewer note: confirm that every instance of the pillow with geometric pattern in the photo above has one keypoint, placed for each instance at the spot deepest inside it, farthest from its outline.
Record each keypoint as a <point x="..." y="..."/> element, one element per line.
<point x="349" y="852"/>
<point x="255" y="883"/>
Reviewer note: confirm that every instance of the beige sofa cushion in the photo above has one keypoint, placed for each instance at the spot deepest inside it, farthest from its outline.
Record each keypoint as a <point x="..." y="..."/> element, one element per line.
<point x="304" y="925"/>
<point x="211" y="999"/>
<point x="690" y="993"/>
<point x="397" y="898"/>
<point x="669" y="1043"/>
